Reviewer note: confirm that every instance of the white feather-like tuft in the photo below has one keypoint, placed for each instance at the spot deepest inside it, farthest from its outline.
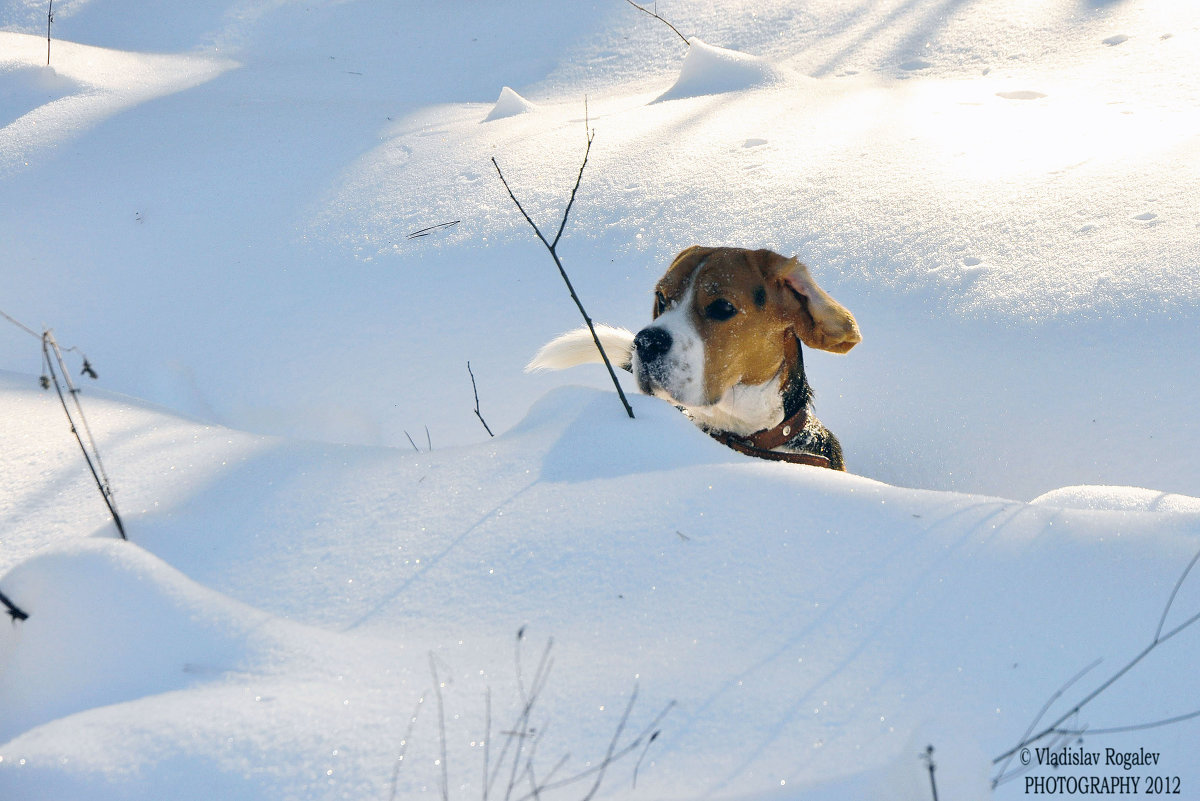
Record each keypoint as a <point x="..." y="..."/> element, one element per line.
<point x="577" y="347"/>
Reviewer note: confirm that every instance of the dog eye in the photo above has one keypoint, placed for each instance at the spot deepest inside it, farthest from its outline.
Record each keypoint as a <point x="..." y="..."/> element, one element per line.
<point x="660" y="303"/>
<point x="720" y="310"/>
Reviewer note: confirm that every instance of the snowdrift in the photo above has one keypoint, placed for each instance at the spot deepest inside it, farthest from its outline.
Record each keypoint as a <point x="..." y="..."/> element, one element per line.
<point x="277" y="233"/>
<point x="270" y="632"/>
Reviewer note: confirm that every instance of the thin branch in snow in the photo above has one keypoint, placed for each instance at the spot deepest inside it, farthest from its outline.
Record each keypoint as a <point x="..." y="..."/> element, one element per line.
<point x="428" y="441"/>
<point x="15" y="612"/>
<point x="59" y="377"/>
<point x="519" y="754"/>
<point x="421" y="232"/>
<point x="487" y="738"/>
<point x="927" y="757"/>
<point x="552" y="246"/>
<point x="1154" y="724"/>
<point x="660" y="19"/>
<point x="1056" y="728"/>
<point x="437" y="689"/>
<point x="1170" y="601"/>
<point x="475" y="389"/>
<point x="412" y="721"/>
<point x="20" y="325"/>
<point x="615" y="756"/>
<point x="1001" y="776"/>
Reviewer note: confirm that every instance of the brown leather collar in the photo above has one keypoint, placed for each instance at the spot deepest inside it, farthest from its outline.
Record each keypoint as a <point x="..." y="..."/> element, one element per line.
<point x="762" y="444"/>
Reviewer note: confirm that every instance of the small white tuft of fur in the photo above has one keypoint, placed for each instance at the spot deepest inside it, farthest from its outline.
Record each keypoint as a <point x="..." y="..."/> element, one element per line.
<point x="577" y="347"/>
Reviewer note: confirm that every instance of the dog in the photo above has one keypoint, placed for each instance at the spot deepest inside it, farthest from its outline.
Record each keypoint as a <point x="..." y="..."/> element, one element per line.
<point x="725" y="346"/>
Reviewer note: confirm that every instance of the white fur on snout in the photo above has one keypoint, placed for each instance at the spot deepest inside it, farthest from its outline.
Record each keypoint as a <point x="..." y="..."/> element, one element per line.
<point x="677" y="375"/>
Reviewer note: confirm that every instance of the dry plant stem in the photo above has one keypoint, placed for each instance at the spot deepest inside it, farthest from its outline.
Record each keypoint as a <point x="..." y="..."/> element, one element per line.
<point x="55" y="366"/>
<point x="430" y="229"/>
<point x="612" y="745"/>
<point x="928" y="757"/>
<point x="15" y="612"/>
<point x="521" y="768"/>
<point x="437" y="689"/>
<point x="475" y="389"/>
<point x="660" y="19"/>
<point x="522" y="730"/>
<point x="638" y="765"/>
<point x="1003" y="774"/>
<point x="617" y="756"/>
<point x="487" y="738"/>
<point x="412" y="721"/>
<point x="1159" y="638"/>
<point x="49" y="21"/>
<point x="20" y="325"/>
<point x="553" y="248"/>
<point x="519" y="728"/>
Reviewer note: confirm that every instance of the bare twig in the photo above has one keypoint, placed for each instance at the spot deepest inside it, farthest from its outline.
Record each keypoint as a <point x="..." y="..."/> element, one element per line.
<point x="55" y="367"/>
<point x="404" y="748"/>
<point x="660" y="19"/>
<point x="612" y="745"/>
<point x="524" y="740"/>
<point x="927" y="756"/>
<point x="57" y="375"/>
<point x="20" y="325"/>
<point x="475" y="389"/>
<point x="520" y="730"/>
<point x="553" y="248"/>
<point x="616" y="756"/>
<point x="437" y="690"/>
<point x="49" y="22"/>
<point x="427" y="231"/>
<point x="428" y="441"/>
<point x="1183" y="577"/>
<point x="1001" y="775"/>
<point x="487" y="738"/>
<point x="1056" y="729"/>
<point x="15" y="612"/>
<point x="1154" y="724"/>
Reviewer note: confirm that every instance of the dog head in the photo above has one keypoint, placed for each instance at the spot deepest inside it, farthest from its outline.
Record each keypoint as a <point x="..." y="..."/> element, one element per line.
<point x="723" y="317"/>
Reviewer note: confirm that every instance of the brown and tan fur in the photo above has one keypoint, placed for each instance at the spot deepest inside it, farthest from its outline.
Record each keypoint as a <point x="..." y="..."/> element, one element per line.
<point x="724" y="343"/>
<point x="775" y="298"/>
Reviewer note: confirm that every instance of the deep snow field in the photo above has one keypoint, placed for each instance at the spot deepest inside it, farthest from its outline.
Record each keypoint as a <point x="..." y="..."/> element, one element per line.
<point x="216" y="202"/>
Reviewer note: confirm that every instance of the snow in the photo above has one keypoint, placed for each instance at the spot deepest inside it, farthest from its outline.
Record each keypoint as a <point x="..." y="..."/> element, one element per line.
<point x="217" y="203"/>
<point x="708" y="70"/>
<point x="509" y="104"/>
<point x="1118" y="499"/>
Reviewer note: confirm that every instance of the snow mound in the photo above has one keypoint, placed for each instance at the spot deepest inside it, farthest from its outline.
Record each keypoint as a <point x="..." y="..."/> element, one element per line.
<point x="1119" y="499"/>
<point x="128" y="627"/>
<point x="269" y="631"/>
<point x="40" y="106"/>
<point x="710" y="70"/>
<point x="23" y="88"/>
<point x="509" y="104"/>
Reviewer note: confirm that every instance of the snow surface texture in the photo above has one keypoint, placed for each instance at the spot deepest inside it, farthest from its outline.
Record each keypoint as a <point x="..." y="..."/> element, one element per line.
<point x="509" y="104"/>
<point x="266" y="633"/>
<point x="1003" y="195"/>
<point x="279" y="225"/>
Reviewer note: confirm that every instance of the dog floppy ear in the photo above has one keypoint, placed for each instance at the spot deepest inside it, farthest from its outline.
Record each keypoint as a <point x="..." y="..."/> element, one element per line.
<point x="820" y="321"/>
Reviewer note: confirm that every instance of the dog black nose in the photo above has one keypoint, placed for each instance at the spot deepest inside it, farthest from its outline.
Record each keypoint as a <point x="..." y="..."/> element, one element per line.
<point x="652" y="343"/>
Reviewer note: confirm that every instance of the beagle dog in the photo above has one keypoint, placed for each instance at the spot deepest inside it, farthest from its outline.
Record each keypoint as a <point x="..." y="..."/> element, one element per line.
<point x="725" y="347"/>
